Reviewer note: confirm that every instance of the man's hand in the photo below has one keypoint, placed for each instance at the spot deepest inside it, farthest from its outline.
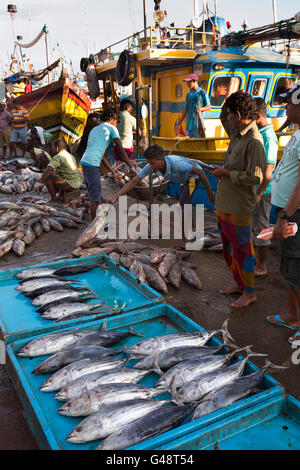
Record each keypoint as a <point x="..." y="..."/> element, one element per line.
<point x="117" y="177"/>
<point x="280" y="228"/>
<point x="211" y="196"/>
<point x="220" y="171"/>
<point x="258" y="197"/>
<point x="39" y="187"/>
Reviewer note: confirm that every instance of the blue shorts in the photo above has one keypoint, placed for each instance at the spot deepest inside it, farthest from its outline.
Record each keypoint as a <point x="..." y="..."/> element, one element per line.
<point x="92" y="179"/>
<point x="19" y="134"/>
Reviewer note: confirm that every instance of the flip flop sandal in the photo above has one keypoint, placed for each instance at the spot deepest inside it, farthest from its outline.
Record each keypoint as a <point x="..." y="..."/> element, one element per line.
<point x="296" y="341"/>
<point x="280" y="322"/>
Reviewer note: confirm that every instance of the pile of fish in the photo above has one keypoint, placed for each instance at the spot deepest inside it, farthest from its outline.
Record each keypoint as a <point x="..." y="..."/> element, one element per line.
<point x="21" y="223"/>
<point x="101" y="388"/>
<point x="155" y="266"/>
<point x="59" y="298"/>
<point x="13" y="183"/>
<point x="142" y="190"/>
<point x="18" y="163"/>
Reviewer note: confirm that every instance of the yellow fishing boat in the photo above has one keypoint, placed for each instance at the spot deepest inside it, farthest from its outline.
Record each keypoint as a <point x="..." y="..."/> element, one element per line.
<point x="61" y="108"/>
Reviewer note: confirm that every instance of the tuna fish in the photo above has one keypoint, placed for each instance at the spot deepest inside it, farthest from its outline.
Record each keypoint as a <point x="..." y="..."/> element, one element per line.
<point x="191" y="277"/>
<point x="32" y="285"/>
<point x="105" y="395"/>
<point x="91" y="381"/>
<point x="64" y="300"/>
<point x="52" y="343"/>
<point x="158" y="344"/>
<point x="153" y="424"/>
<point x="51" y="288"/>
<point x="58" y="295"/>
<point x="34" y="272"/>
<point x="65" y="309"/>
<point x="79" y="369"/>
<point x="67" y="356"/>
<point x="18" y="247"/>
<point x="154" y="279"/>
<point x="169" y="260"/>
<point x="76" y="269"/>
<point x="111" y="418"/>
<point x="174" y="276"/>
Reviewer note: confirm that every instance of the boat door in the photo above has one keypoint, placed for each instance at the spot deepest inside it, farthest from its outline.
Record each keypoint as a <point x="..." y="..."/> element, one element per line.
<point x="258" y="84"/>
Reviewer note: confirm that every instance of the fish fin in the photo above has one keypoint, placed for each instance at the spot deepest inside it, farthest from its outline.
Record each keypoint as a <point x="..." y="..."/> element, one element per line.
<point x="225" y="332"/>
<point x="270" y="365"/>
<point x="103" y="326"/>
<point x="175" y="396"/>
<point x="156" y="366"/>
<point x="132" y="332"/>
<point x="252" y="353"/>
<point x="217" y="446"/>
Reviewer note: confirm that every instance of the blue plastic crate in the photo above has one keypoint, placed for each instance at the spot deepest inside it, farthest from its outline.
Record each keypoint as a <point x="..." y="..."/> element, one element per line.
<point x="51" y="429"/>
<point x="19" y="319"/>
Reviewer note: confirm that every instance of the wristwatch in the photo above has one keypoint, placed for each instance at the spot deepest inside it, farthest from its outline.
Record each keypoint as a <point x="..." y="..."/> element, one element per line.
<point x="283" y="215"/>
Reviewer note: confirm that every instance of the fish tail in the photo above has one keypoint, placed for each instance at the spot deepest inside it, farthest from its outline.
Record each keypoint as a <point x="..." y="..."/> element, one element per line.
<point x="173" y="390"/>
<point x="270" y="365"/>
<point x="252" y="353"/>
<point x="156" y="366"/>
<point x="103" y="326"/>
<point x="225" y="332"/>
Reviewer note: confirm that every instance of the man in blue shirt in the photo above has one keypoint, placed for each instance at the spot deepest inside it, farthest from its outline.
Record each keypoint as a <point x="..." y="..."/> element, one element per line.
<point x="99" y="139"/>
<point x="197" y="101"/>
<point x="175" y="169"/>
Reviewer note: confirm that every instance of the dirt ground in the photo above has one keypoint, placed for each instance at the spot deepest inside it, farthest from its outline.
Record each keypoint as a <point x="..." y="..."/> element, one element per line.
<point x="206" y="307"/>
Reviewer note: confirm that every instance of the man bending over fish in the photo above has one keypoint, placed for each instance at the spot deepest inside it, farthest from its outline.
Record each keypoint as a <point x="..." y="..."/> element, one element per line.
<point x="175" y="169"/>
<point x="61" y="174"/>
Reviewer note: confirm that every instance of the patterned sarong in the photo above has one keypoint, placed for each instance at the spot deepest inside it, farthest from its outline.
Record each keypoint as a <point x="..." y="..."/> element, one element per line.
<point x="239" y="254"/>
<point x="60" y="183"/>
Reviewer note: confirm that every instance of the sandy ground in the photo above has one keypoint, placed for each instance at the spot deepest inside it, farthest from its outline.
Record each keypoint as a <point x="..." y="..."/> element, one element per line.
<point x="206" y="307"/>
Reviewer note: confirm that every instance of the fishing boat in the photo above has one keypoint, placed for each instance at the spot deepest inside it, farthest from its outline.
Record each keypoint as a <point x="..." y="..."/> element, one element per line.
<point x="61" y="108"/>
<point x="155" y="62"/>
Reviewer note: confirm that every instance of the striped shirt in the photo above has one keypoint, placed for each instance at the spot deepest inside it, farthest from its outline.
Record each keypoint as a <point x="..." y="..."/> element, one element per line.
<point x="19" y="116"/>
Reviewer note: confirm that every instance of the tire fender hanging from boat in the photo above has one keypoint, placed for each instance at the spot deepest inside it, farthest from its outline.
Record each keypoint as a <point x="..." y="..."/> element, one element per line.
<point x="92" y="81"/>
<point x="125" y="69"/>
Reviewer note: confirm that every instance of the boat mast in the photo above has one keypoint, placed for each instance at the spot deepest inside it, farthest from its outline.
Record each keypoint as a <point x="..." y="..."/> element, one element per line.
<point x="274" y="11"/>
<point x="145" y="19"/>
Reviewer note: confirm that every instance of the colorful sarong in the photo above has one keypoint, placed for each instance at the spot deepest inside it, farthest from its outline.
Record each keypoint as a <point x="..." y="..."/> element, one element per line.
<point x="238" y="250"/>
<point x="60" y="183"/>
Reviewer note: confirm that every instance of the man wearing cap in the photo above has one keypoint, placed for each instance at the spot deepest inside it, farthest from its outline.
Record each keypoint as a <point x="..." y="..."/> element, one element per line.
<point x="197" y="101"/>
<point x="5" y="122"/>
<point x="286" y="198"/>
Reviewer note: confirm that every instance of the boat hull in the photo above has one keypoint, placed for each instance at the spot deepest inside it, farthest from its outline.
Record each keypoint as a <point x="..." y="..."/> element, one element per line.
<point x="61" y="108"/>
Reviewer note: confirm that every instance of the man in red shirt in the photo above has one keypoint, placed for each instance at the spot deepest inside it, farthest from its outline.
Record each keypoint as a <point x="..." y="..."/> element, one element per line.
<point x="28" y="87"/>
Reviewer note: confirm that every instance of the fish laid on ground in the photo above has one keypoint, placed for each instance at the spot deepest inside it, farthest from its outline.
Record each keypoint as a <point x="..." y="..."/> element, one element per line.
<point x="48" y="297"/>
<point x="91" y="381"/>
<point x="174" y="276"/>
<point x="153" y="424"/>
<point x="45" y="224"/>
<point x="29" y="236"/>
<point x="115" y="256"/>
<point x="191" y="277"/>
<point x="126" y="261"/>
<point x="166" y="264"/>
<point x="92" y="230"/>
<point x="5" y="247"/>
<point x="38" y="229"/>
<point x="157" y="344"/>
<point x="188" y="370"/>
<point x="78" y="369"/>
<point x="67" y="356"/>
<point x="197" y="388"/>
<point x="154" y="279"/>
<point x="55" y="225"/>
<point x="104" y="395"/>
<point x="67" y="309"/>
<point x="111" y="418"/>
<point x="82" y="252"/>
<point x="52" y="343"/>
<point x="136" y="269"/>
<point x="18" y="247"/>
<point x="172" y="356"/>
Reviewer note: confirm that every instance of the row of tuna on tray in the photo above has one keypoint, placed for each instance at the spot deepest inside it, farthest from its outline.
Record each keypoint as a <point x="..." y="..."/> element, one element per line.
<point x="59" y="298"/>
<point x="97" y="385"/>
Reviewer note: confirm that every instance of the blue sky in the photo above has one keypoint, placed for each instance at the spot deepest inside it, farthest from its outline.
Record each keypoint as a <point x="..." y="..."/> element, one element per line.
<point x="78" y="27"/>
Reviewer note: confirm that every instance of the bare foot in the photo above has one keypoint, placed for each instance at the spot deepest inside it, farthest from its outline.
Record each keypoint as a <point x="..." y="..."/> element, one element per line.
<point x="260" y="270"/>
<point x="244" y="300"/>
<point x="53" y="201"/>
<point x="231" y="290"/>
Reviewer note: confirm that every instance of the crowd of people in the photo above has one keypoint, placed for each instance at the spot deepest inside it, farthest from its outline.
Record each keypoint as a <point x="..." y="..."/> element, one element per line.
<point x="249" y="182"/>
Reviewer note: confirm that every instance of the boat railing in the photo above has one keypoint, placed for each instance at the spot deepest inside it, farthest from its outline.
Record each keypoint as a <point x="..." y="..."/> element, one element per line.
<point x="283" y="46"/>
<point x="169" y="37"/>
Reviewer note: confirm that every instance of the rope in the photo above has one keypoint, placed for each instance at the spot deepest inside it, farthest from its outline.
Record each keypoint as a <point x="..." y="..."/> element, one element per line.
<point x="49" y="89"/>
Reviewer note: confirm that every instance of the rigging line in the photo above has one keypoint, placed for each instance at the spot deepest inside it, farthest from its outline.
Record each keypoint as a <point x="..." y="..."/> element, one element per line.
<point x="132" y="16"/>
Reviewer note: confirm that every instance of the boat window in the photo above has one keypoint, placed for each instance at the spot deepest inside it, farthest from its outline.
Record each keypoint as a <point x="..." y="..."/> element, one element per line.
<point x="283" y="84"/>
<point x="178" y="91"/>
<point x="222" y="88"/>
<point x="259" y="87"/>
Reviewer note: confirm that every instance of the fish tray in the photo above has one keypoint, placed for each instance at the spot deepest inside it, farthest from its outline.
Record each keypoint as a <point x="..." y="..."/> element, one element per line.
<point x="19" y="319"/>
<point x="273" y="424"/>
<point x="51" y="429"/>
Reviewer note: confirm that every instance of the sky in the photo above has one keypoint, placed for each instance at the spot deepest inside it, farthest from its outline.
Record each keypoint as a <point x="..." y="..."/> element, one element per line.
<point x="78" y="28"/>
